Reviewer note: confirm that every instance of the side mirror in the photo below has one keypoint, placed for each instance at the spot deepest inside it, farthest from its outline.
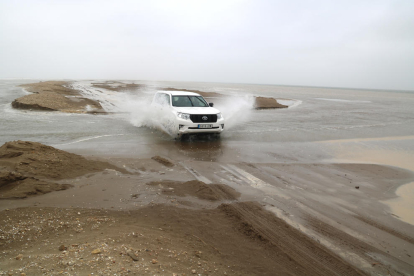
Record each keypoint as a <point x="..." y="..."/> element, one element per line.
<point x="211" y="104"/>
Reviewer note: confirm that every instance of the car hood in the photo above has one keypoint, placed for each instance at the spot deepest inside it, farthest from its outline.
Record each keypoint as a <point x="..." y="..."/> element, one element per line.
<point x="196" y="110"/>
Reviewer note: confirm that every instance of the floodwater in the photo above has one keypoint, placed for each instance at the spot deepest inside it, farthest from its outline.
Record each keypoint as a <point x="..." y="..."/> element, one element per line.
<point x="322" y="125"/>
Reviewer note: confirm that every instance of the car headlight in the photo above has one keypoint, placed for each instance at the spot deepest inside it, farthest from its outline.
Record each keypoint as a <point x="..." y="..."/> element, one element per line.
<point x="184" y="116"/>
<point x="219" y="116"/>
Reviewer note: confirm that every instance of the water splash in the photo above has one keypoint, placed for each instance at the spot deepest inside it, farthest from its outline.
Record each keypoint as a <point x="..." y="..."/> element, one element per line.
<point x="236" y="110"/>
<point x="136" y="107"/>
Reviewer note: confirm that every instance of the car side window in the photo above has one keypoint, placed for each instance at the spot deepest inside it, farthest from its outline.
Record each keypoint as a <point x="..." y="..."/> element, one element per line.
<point x="162" y="99"/>
<point x="199" y="101"/>
<point x="157" y="99"/>
<point x="165" y="99"/>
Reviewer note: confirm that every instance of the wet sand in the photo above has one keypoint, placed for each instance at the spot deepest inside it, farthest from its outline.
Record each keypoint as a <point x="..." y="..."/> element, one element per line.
<point x="211" y="218"/>
<point x="386" y="151"/>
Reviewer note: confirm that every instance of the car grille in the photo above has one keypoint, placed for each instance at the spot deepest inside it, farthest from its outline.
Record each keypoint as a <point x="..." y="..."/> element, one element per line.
<point x="203" y="128"/>
<point x="211" y="118"/>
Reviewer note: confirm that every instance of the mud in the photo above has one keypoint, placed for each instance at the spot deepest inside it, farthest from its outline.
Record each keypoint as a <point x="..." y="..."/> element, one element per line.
<point x="212" y="192"/>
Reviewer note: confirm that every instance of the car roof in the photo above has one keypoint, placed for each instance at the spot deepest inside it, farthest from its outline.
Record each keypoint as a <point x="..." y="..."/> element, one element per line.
<point x="179" y="93"/>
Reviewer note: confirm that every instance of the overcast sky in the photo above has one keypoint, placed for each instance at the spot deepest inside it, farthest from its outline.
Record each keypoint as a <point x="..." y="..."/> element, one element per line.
<point x="361" y="44"/>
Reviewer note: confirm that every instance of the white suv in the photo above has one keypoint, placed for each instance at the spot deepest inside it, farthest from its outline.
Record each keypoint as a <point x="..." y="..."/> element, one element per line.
<point x="187" y="113"/>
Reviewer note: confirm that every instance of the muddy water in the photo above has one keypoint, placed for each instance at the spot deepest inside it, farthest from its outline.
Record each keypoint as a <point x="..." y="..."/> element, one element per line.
<point x="403" y="205"/>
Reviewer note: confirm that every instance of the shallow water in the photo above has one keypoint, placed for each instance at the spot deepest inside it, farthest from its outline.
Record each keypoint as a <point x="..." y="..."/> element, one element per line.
<point x="371" y="126"/>
<point x="349" y="114"/>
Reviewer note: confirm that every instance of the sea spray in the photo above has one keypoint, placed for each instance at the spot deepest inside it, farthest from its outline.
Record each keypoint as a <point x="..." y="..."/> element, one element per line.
<point x="137" y="109"/>
<point x="139" y="112"/>
<point x="236" y="110"/>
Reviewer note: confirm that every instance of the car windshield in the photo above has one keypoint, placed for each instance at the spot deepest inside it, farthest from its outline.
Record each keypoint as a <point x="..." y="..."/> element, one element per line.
<point x="188" y="101"/>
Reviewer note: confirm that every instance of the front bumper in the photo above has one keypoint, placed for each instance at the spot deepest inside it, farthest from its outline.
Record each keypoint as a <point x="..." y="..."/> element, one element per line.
<point x="188" y="127"/>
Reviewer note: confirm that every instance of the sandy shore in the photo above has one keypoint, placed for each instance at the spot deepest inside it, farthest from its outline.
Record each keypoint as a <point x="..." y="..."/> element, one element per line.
<point x="154" y="216"/>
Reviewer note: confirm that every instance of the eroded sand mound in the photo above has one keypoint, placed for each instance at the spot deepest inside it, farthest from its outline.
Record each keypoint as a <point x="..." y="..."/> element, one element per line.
<point x="267" y="103"/>
<point x="51" y="101"/>
<point x="212" y="192"/>
<point x="55" y="96"/>
<point x="35" y="159"/>
<point x="24" y="166"/>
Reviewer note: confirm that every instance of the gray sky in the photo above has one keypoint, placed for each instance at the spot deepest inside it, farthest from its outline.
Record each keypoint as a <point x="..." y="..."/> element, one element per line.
<point x="366" y="44"/>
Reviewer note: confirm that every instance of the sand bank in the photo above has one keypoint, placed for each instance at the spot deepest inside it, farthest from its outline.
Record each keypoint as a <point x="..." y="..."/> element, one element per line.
<point x="58" y="96"/>
<point x="55" y="96"/>
<point x="267" y="103"/>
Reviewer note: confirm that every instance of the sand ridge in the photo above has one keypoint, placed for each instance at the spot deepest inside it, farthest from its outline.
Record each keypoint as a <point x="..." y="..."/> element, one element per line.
<point x="27" y="168"/>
